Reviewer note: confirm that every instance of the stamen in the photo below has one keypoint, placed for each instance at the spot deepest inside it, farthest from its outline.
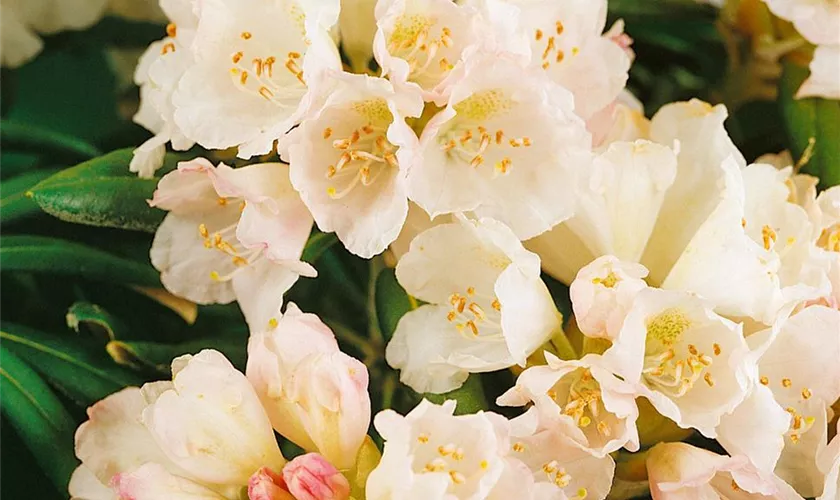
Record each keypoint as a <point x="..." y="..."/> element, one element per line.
<point x="806" y="393"/>
<point x="457" y="477"/>
<point x="764" y="380"/>
<point x="237" y="57"/>
<point x="167" y="48"/>
<point x="327" y="133"/>
<point x="786" y="383"/>
<point x="246" y="35"/>
<point x="171" y="30"/>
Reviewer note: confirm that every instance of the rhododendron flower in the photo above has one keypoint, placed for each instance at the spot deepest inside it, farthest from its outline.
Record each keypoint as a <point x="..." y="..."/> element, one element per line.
<point x="231" y="234"/>
<point x="582" y="400"/>
<point x="432" y="454"/>
<point x="828" y="462"/>
<point x="314" y="394"/>
<point x="623" y="120"/>
<point x="679" y="470"/>
<point x="157" y="74"/>
<point x="24" y="20"/>
<point x="816" y="20"/>
<point x="798" y="365"/>
<point x="310" y="477"/>
<point x="693" y="365"/>
<point x="419" y="42"/>
<point x="254" y="62"/>
<point x="204" y="433"/>
<point x="566" y="40"/>
<point x="348" y="160"/>
<point x="824" y="80"/>
<point x="603" y="292"/>
<point x="507" y="134"/>
<point x="488" y="308"/>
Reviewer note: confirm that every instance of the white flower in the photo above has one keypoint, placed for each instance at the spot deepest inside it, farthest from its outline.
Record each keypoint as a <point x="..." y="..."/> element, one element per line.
<point x="581" y="400"/>
<point x="623" y="120"/>
<point x="85" y="486"/>
<point x="555" y="466"/>
<point x="24" y="20"/>
<point x="419" y="42"/>
<point x="603" y="292"/>
<point x="681" y="471"/>
<point x="431" y="454"/>
<point x="348" y="162"/>
<point x="254" y="60"/>
<point x="816" y="20"/>
<point x="693" y="365"/>
<point x="488" y="308"/>
<point x="825" y="74"/>
<point x="506" y="135"/>
<point x="799" y="375"/>
<point x="567" y="41"/>
<point x="231" y="234"/>
<point x="829" y="463"/>
<point x="314" y="394"/>
<point x="158" y="72"/>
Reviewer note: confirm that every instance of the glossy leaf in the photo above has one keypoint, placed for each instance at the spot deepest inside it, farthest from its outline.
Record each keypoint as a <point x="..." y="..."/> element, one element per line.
<point x="95" y="317"/>
<point x="33" y="138"/>
<point x="102" y="192"/>
<point x="38" y="417"/>
<point x="392" y="302"/>
<point x="470" y="396"/>
<point x="811" y="120"/>
<point x="317" y="244"/>
<point x="76" y="365"/>
<point x="41" y="254"/>
<point x="158" y="356"/>
<point x="14" y="204"/>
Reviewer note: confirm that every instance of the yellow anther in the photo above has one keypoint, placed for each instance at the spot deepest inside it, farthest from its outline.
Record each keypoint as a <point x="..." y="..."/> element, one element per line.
<point x="246" y="35"/>
<point x="171" y="30"/>
<point x="237" y="57"/>
<point x="476" y="161"/>
<point x="560" y="56"/>
<point x="484" y="464"/>
<point x="423" y="438"/>
<point x="806" y="393"/>
<point x="692" y="349"/>
<point x="558" y="27"/>
<point x="167" y="48"/>
<point x="764" y="380"/>
<point x="202" y="230"/>
<point x="470" y="291"/>
<point x="496" y="305"/>
<point x="473" y="328"/>
<point x="446" y="450"/>
<point x="272" y="323"/>
<point x="503" y="166"/>
<point x="518" y="447"/>
<point x="794" y="438"/>
<point x="768" y="237"/>
<point x="499" y="136"/>
<point x="265" y="92"/>
<point x="457" y="477"/>
<point x="584" y="421"/>
<point x="716" y="349"/>
<point x="709" y="380"/>
<point x="243" y="77"/>
<point x="786" y="383"/>
<point x="538" y="35"/>
<point x="451" y="316"/>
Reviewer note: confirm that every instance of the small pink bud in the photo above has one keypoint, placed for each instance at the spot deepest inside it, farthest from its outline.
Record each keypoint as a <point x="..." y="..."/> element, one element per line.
<point x="265" y="484"/>
<point x="311" y="477"/>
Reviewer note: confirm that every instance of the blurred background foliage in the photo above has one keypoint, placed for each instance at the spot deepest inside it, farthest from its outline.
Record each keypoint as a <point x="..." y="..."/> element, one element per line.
<point x="83" y="311"/>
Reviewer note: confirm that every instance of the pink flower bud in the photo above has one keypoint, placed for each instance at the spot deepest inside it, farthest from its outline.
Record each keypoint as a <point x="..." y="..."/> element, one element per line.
<point x="266" y="484"/>
<point x="311" y="477"/>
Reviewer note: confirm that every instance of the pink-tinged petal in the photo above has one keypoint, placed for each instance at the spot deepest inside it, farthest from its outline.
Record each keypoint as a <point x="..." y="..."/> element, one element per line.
<point x="266" y="484"/>
<point x="260" y="287"/>
<point x="187" y="189"/>
<point x="312" y="477"/>
<point x="154" y="482"/>
<point x="85" y="486"/>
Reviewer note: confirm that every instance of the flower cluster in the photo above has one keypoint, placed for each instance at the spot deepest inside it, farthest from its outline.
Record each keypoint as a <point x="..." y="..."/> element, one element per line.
<point x="498" y="143"/>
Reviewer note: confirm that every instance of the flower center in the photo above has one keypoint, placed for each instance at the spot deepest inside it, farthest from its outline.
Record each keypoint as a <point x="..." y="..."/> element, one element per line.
<point x="800" y="423"/>
<point x="417" y="40"/>
<point x="365" y="154"/>
<point x="667" y="368"/>
<point x="448" y="457"/>
<point x="224" y="240"/>
<point x="470" y="317"/>
<point x="583" y="402"/>
<point x="830" y="238"/>
<point x="259" y="76"/>
<point x="551" y="53"/>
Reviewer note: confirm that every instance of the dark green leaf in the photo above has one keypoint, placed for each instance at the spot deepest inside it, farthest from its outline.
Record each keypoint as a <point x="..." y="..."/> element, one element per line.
<point x="53" y="256"/>
<point x="99" y="320"/>
<point x="16" y="162"/>
<point x="102" y="192"/>
<point x="37" y="139"/>
<point x="392" y="302"/>
<point x="78" y="366"/>
<point x="317" y="244"/>
<point x="38" y="416"/>
<point x="811" y="120"/>
<point x="14" y="204"/>
<point x="470" y="396"/>
<point x="157" y="356"/>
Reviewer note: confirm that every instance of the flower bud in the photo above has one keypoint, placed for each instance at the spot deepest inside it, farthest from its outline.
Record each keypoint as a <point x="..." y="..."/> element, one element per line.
<point x="312" y="477"/>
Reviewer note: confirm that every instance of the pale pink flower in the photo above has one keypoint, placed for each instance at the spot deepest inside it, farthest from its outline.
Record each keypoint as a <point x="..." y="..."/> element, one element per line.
<point x="311" y="477"/>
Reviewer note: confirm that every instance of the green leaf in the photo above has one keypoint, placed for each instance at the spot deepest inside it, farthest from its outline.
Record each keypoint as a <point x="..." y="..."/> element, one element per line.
<point x="102" y="192"/>
<point x="811" y="120"/>
<point x="16" y="162"/>
<point x="38" y="416"/>
<point x="392" y="302"/>
<point x="158" y="357"/>
<point x="317" y="244"/>
<point x="32" y="138"/>
<point x="14" y="204"/>
<point x="470" y="396"/>
<point x="100" y="321"/>
<point x="42" y="254"/>
<point x="77" y="366"/>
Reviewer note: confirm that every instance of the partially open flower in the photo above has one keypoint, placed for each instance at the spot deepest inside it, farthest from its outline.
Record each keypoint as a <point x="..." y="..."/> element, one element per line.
<point x="488" y="308"/>
<point x="347" y="160"/>
<point x="310" y="477"/>
<point x="507" y="134"/>
<point x="231" y="234"/>
<point x="816" y="20"/>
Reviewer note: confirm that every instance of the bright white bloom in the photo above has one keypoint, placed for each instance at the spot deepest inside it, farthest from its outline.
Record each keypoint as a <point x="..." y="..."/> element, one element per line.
<point x="566" y="40"/>
<point x="231" y="234"/>
<point x="829" y="463"/>
<point x="357" y="27"/>
<point x="254" y="60"/>
<point x="603" y="292"/>
<point x="798" y="365"/>
<point x="816" y="20"/>
<point x="680" y="471"/>
<point x="488" y="308"/>
<point x="623" y="120"/>
<point x="550" y="465"/>
<point x="348" y="160"/>
<point x="204" y="433"/>
<point x="419" y="42"/>
<point x="431" y="454"/>
<point x="158" y="73"/>
<point x="314" y="394"/>
<point x="506" y="135"/>
<point x="693" y="365"/>
<point x="581" y="400"/>
<point x="24" y="20"/>
<point x="825" y="74"/>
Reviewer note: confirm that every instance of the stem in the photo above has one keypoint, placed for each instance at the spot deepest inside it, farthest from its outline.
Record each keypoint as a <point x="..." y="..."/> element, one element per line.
<point x="375" y="333"/>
